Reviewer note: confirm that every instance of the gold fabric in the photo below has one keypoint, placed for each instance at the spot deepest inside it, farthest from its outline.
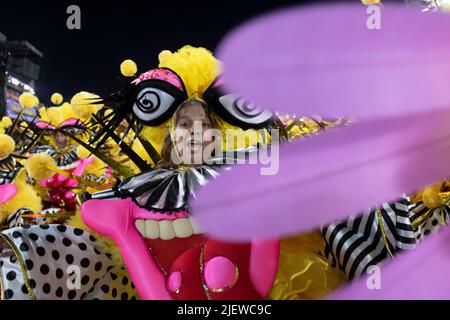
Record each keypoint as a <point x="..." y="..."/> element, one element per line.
<point x="303" y="272"/>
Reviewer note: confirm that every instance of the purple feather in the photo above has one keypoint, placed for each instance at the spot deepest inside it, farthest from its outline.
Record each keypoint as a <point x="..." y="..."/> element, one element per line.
<point x="327" y="177"/>
<point x="324" y="60"/>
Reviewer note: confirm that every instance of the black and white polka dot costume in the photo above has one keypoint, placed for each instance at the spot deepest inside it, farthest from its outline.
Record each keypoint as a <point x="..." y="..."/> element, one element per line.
<point x="48" y="262"/>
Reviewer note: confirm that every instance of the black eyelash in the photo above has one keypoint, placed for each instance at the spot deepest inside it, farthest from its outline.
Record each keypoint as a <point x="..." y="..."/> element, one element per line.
<point x="79" y="128"/>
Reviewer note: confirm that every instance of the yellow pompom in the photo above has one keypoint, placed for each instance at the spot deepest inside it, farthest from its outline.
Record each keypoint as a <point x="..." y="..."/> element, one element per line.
<point x="7" y="146"/>
<point x="431" y="198"/>
<point x="128" y="68"/>
<point x="84" y="104"/>
<point x="6" y="122"/>
<point x="165" y="54"/>
<point x="27" y="100"/>
<point x="40" y="166"/>
<point x="36" y="101"/>
<point x="57" y="98"/>
<point x="54" y="115"/>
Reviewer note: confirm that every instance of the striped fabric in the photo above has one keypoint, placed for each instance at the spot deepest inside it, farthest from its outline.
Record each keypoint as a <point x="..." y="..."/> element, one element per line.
<point x="17" y="220"/>
<point x="62" y="160"/>
<point x="170" y="189"/>
<point x="7" y="176"/>
<point x="375" y="236"/>
<point x="161" y="189"/>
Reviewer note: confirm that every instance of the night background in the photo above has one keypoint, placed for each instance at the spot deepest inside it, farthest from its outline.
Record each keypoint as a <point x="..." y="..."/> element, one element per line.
<point x="89" y="59"/>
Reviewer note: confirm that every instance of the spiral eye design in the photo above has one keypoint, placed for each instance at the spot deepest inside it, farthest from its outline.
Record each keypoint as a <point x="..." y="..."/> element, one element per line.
<point x="241" y="111"/>
<point x="148" y="101"/>
<point x="246" y="108"/>
<point x="153" y="106"/>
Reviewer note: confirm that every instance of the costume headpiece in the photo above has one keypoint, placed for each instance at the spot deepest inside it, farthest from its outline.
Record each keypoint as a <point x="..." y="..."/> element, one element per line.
<point x="152" y="98"/>
<point x="192" y="73"/>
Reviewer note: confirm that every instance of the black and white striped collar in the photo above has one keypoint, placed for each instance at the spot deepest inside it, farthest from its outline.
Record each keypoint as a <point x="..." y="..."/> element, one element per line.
<point x="170" y="189"/>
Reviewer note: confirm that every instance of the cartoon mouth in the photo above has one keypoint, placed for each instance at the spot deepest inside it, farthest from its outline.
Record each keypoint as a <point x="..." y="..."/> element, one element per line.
<point x="150" y="261"/>
<point x="166" y="229"/>
<point x="166" y="240"/>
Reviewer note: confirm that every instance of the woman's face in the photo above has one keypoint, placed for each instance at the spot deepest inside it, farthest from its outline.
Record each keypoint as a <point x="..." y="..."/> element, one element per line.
<point x="192" y="135"/>
<point x="61" y="140"/>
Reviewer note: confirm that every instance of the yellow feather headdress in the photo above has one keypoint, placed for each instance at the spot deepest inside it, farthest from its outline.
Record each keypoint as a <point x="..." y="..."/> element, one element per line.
<point x="81" y="106"/>
<point x="198" y="68"/>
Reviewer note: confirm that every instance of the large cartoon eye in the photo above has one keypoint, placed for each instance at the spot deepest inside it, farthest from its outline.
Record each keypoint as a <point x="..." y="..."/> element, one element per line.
<point x="154" y="106"/>
<point x="149" y="100"/>
<point x="236" y="110"/>
<point x="159" y="92"/>
<point x="241" y="107"/>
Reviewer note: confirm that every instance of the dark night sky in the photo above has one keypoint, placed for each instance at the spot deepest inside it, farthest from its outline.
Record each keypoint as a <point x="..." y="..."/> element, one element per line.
<point x="88" y="59"/>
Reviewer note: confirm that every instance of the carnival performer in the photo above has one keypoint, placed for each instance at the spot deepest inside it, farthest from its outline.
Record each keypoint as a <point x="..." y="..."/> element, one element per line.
<point x="147" y="214"/>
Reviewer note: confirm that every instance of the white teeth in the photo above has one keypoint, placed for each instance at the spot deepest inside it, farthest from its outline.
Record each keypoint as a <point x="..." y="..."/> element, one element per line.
<point x="152" y="229"/>
<point x="182" y="228"/>
<point x="140" y="225"/>
<point x="194" y="225"/>
<point x="166" y="231"/>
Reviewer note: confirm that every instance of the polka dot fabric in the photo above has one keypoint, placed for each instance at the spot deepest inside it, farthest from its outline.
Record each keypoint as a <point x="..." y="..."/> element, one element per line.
<point x="11" y="276"/>
<point x="436" y="220"/>
<point x="61" y="262"/>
